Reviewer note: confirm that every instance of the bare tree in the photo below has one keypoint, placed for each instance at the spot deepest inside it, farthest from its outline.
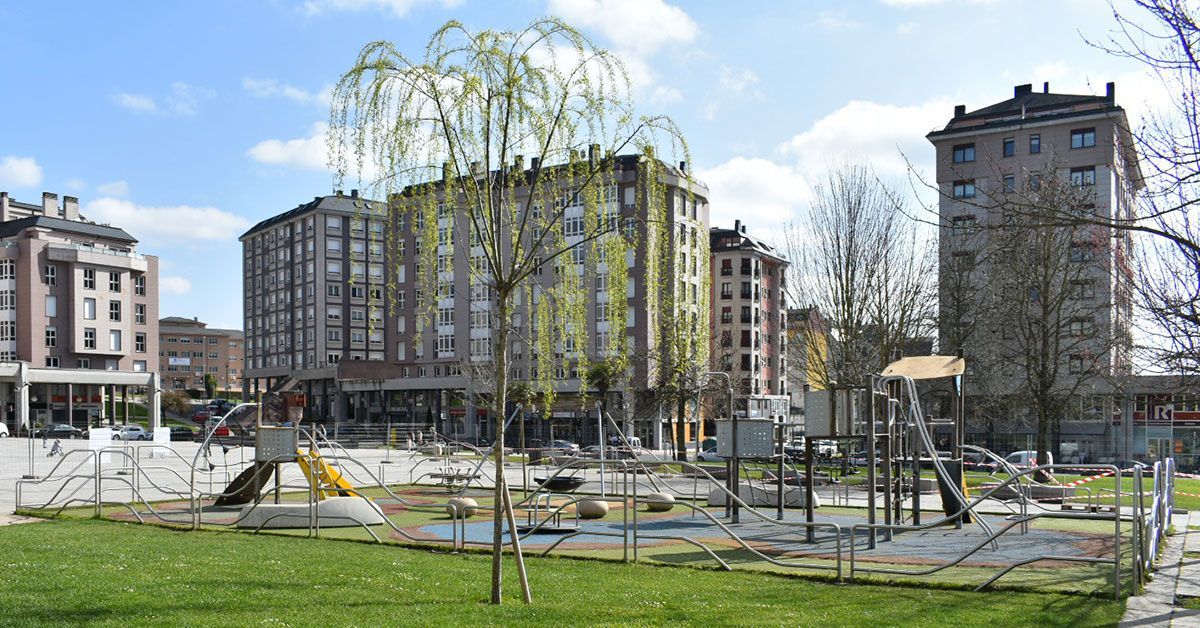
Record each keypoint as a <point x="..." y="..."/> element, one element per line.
<point x="868" y="270"/>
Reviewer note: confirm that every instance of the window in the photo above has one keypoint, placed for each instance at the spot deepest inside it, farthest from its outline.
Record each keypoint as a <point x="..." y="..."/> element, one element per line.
<point x="964" y="189"/>
<point x="8" y="299"/>
<point x="333" y="290"/>
<point x="1035" y="181"/>
<point x="114" y="282"/>
<point x="1010" y="184"/>
<point x="1035" y="144"/>
<point x="89" y="278"/>
<point x="139" y="286"/>
<point x="51" y="362"/>
<point x="51" y="306"/>
<point x="1084" y="289"/>
<point x="1082" y="252"/>
<point x="1083" y="138"/>
<point x="139" y="313"/>
<point x="51" y="336"/>
<point x="114" y="311"/>
<point x="1010" y="147"/>
<point x="139" y="366"/>
<point x="89" y="338"/>
<point x="333" y="223"/>
<point x="1075" y="364"/>
<point x="333" y="335"/>
<point x="333" y="268"/>
<point x="114" y="340"/>
<point x="139" y="343"/>
<point x="572" y="226"/>
<point x="1081" y="327"/>
<point x="1083" y="176"/>
<point x="964" y="153"/>
<point x="333" y="245"/>
<point x="85" y="363"/>
<point x="726" y="315"/>
<point x="8" y="330"/>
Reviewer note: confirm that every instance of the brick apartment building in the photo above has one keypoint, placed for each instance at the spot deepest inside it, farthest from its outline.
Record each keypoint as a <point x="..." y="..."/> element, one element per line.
<point x="190" y="351"/>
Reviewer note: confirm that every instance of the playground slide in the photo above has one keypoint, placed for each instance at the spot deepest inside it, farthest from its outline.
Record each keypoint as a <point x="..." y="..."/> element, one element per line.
<point x="326" y="476"/>
<point x="241" y="489"/>
<point x="950" y="498"/>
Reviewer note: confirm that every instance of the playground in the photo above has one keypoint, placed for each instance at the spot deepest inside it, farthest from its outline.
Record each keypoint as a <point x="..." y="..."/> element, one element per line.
<point x="1096" y="531"/>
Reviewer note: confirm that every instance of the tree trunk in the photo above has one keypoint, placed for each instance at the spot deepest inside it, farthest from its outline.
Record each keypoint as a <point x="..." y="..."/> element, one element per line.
<point x="1043" y="441"/>
<point x="502" y="504"/>
<point x="681" y="429"/>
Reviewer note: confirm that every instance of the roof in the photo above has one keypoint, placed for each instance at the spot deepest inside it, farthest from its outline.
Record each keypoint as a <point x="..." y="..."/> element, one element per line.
<point x="181" y="320"/>
<point x="341" y="203"/>
<point x="716" y="235"/>
<point x="1027" y="105"/>
<point x="199" y="331"/>
<point x="11" y="228"/>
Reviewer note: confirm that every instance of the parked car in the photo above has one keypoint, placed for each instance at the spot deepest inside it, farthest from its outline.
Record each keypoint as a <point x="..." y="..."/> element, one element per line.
<point x="3" y="430"/>
<point x="218" y="407"/>
<point x="130" y="432"/>
<point x="1026" y="459"/>
<point x="58" y="430"/>
<point x="178" y="432"/>
<point x="217" y="430"/>
<point x="709" y="455"/>
<point x="201" y="416"/>
<point x="562" y="447"/>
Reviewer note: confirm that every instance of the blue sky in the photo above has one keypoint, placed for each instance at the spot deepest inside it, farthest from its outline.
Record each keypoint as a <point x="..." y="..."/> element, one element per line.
<point x="185" y="123"/>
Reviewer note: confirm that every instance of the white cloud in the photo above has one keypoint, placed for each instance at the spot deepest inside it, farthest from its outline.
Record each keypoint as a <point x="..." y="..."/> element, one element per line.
<point x="183" y="100"/>
<point x="113" y="188"/>
<point x="737" y="80"/>
<point x="906" y="4"/>
<point x="665" y="95"/>
<point x="310" y="153"/>
<point x="76" y="184"/>
<point x="835" y="21"/>
<point x="271" y="88"/>
<point x="638" y="26"/>
<point x="171" y="226"/>
<point x="174" y="284"/>
<point x="906" y="28"/>
<point x="869" y="131"/>
<point x="398" y="8"/>
<point x="762" y="193"/>
<point x="19" y="172"/>
<point x="135" y="102"/>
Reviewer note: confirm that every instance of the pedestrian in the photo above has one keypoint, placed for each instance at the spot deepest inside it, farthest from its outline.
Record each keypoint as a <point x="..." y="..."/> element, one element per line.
<point x="45" y="434"/>
<point x="56" y="450"/>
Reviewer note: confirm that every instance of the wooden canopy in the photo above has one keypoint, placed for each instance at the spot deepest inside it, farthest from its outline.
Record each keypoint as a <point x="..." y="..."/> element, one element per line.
<point x="927" y="367"/>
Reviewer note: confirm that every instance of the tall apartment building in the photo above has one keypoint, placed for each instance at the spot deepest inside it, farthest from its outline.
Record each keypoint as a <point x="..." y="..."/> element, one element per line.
<point x="315" y="287"/>
<point x="749" y="320"/>
<point x="190" y="351"/>
<point x="994" y="158"/>
<point x="78" y="312"/>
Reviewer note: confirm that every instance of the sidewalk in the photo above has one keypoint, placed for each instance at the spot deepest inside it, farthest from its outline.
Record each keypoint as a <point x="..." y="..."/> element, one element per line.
<point x="1177" y="578"/>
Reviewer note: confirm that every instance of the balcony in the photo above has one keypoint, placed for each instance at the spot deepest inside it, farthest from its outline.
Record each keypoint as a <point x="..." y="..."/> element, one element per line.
<point x="96" y="256"/>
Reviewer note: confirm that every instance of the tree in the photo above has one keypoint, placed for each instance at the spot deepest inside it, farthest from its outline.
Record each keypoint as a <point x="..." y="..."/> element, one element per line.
<point x="210" y="385"/>
<point x="866" y="269"/>
<point x="447" y="136"/>
<point x="175" y="402"/>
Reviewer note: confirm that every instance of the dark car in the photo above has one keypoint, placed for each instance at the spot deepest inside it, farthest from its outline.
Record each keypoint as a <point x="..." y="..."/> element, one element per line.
<point x="179" y="432"/>
<point x="58" y="430"/>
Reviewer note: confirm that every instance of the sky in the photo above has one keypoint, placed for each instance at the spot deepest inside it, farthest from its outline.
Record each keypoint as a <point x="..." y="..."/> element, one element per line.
<point x="186" y="123"/>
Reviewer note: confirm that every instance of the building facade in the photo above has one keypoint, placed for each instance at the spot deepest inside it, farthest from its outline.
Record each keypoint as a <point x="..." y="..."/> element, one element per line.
<point x="749" y="320"/>
<point x="191" y="351"/>
<point x="1024" y="157"/>
<point x="316" y="283"/>
<point x="78" y="309"/>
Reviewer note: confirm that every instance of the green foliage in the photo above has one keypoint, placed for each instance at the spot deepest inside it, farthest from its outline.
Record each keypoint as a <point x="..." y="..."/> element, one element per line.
<point x="176" y="402"/>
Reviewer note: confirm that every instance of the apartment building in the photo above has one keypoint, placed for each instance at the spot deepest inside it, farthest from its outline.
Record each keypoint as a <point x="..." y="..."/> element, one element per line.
<point x="1067" y="151"/>
<point x="749" y="320"/>
<point x="191" y="351"/>
<point x="78" y="313"/>
<point x="317" y="308"/>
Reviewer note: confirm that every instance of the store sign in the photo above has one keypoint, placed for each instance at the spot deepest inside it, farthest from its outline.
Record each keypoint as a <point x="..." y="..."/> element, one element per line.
<point x="179" y="361"/>
<point x="1164" y="412"/>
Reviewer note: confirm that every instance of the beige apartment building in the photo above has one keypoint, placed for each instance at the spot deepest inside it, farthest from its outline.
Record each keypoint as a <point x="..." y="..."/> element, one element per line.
<point x="190" y="351"/>
<point x="315" y="277"/>
<point x="78" y="314"/>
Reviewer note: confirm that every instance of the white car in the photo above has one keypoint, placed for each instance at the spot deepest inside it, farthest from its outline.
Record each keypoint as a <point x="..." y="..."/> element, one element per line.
<point x="131" y="432"/>
<point x="3" y="430"/>
<point x="709" y="455"/>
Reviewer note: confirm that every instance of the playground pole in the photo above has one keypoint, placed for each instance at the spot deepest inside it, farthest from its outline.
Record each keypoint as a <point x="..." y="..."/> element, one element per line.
<point x="809" y="510"/>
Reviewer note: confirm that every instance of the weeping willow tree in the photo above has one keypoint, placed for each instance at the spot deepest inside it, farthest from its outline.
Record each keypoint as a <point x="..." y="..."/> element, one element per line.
<point x="444" y="140"/>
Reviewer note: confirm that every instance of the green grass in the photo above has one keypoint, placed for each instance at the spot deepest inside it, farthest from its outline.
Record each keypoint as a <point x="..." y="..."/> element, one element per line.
<point x="113" y="573"/>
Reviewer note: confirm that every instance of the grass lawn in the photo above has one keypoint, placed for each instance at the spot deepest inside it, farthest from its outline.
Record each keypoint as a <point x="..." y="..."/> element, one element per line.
<point x="65" y="572"/>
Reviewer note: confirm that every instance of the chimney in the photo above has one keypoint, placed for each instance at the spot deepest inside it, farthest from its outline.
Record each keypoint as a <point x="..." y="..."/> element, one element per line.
<point x="353" y="193"/>
<point x="1046" y="87"/>
<point x="743" y="228"/>
<point x="960" y="110"/>
<point x="1110" y="91"/>
<point x="196" y="318"/>
<point x="737" y="226"/>
<point x="337" y="193"/>
<point x="50" y="204"/>
<point x="1021" y="90"/>
<point x="71" y="208"/>
<point x="3" y="206"/>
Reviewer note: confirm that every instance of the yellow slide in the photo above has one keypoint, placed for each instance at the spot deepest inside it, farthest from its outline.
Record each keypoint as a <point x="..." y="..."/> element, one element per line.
<point x="327" y="480"/>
